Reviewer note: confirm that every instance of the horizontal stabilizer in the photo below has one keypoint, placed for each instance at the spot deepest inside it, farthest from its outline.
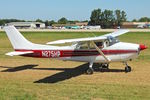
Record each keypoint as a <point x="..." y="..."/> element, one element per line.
<point x="18" y="53"/>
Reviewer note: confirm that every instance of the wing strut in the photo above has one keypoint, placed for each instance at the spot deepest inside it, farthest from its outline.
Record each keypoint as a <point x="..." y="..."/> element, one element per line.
<point x="100" y="51"/>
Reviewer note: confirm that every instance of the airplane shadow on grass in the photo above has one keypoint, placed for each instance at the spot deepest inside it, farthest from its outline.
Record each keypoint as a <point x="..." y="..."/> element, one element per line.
<point x="18" y="68"/>
<point x="68" y="73"/>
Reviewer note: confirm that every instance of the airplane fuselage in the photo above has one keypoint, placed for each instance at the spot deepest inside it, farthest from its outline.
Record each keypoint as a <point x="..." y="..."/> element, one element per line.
<point x="120" y="51"/>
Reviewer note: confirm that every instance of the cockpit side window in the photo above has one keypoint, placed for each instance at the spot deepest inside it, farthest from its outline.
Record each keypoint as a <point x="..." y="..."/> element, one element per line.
<point x="100" y="44"/>
<point x="82" y="46"/>
<point x="111" y="40"/>
<point x="89" y="45"/>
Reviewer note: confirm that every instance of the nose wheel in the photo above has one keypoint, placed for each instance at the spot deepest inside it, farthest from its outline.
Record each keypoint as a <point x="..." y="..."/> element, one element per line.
<point x="127" y="68"/>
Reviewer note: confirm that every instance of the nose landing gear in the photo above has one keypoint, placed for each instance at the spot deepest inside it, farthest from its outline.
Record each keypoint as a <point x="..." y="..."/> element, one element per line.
<point x="127" y="68"/>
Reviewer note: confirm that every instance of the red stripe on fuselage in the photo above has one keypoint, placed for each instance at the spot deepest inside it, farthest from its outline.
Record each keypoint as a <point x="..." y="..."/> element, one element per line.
<point x="72" y="53"/>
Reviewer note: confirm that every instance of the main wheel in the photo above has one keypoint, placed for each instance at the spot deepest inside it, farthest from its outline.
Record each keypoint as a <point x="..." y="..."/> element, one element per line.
<point x="89" y="71"/>
<point x="105" y="66"/>
<point x="128" y="69"/>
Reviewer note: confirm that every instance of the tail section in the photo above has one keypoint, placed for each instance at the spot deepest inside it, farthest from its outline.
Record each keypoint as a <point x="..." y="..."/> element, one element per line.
<point x="16" y="38"/>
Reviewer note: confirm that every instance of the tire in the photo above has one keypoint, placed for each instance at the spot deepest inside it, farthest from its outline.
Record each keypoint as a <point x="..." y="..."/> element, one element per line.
<point x="128" y="69"/>
<point x="105" y="66"/>
<point x="90" y="71"/>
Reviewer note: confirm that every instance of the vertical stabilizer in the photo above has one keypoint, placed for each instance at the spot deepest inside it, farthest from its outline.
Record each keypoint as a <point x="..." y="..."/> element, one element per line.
<point x="16" y="38"/>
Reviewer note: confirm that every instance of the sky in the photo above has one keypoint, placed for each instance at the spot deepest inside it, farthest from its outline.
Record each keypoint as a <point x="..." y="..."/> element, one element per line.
<point x="71" y="9"/>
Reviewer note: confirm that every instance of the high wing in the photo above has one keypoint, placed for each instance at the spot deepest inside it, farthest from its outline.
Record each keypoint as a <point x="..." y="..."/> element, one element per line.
<point x="18" y="53"/>
<point x="103" y="37"/>
<point x="77" y="40"/>
<point x="117" y="33"/>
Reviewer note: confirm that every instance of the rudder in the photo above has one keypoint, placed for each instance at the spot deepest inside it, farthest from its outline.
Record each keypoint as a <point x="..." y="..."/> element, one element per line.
<point x="17" y="39"/>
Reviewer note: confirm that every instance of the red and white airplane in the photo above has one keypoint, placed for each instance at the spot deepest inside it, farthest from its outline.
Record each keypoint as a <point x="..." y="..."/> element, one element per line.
<point x="101" y="49"/>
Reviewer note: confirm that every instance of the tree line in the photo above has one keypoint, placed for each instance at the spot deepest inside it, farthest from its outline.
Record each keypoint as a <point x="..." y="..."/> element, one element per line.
<point x="143" y="19"/>
<point x="4" y="21"/>
<point x="107" y="18"/>
<point x="62" y="20"/>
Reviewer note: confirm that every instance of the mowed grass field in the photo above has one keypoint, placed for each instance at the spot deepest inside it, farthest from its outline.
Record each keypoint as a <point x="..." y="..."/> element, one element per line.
<point x="48" y="79"/>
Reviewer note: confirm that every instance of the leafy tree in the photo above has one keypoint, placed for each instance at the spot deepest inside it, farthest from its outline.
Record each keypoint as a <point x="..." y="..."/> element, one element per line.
<point x="63" y="20"/>
<point x="85" y="21"/>
<point x="144" y="19"/>
<point x="120" y="16"/>
<point x="52" y="22"/>
<point x="107" y="19"/>
<point x="49" y="23"/>
<point x="123" y="16"/>
<point x="39" y="20"/>
<point x="134" y="20"/>
<point x="95" y="18"/>
<point x="4" y="21"/>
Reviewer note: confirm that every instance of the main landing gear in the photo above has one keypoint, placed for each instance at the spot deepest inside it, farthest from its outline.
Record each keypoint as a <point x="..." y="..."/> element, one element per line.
<point x="102" y="66"/>
<point x="127" y="68"/>
<point x="90" y="70"/>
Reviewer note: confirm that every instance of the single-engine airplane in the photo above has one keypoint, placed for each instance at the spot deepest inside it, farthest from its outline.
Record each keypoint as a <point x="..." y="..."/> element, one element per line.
<point x="101" y="49"/>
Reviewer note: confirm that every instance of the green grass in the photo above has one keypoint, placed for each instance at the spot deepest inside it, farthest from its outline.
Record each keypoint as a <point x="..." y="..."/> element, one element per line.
<point x="72" y="91"/>
<point x="21" y="84"/>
